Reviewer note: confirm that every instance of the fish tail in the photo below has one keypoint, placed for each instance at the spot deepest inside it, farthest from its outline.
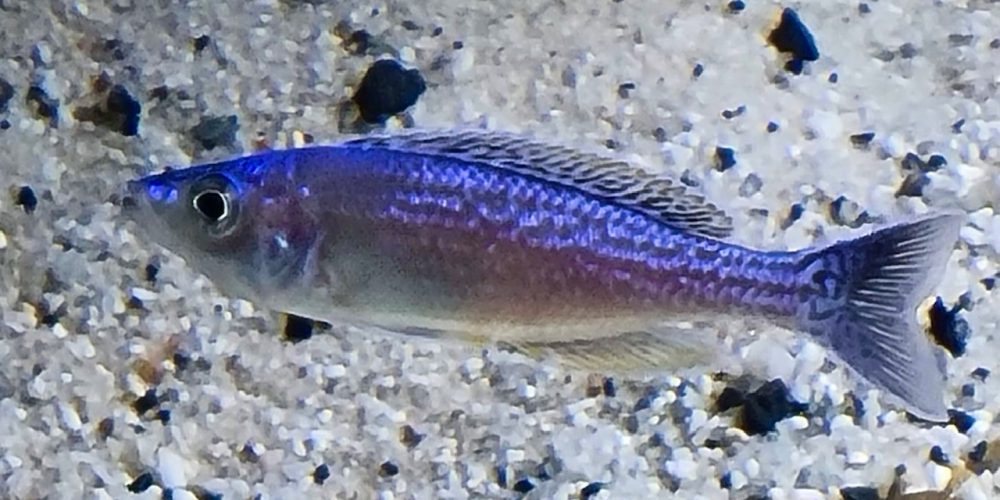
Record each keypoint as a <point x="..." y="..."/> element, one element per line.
<point x="861" y="297"/>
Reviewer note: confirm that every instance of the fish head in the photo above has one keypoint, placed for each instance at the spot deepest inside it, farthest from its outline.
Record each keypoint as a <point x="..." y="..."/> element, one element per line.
<point x="231" y="221"/>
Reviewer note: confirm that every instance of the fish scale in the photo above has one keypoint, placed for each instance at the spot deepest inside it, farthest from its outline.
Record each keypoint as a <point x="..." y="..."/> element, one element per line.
<point x="483" y="236"/>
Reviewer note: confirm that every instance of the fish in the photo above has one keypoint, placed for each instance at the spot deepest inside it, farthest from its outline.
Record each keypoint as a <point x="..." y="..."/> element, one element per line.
<point x="498" y="238"/>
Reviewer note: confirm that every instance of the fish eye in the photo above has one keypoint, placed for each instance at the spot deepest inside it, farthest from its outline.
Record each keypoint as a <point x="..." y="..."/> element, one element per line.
<point x="212" y="205"/>
<point x="213" y="198"/>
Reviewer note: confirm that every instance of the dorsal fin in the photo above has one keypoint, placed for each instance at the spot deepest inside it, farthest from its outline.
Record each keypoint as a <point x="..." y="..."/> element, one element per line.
<point x="615" y="180"/>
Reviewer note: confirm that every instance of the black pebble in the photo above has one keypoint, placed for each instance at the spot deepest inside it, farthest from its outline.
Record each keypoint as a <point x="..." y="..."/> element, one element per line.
<point x="134" y="303"/>
<point x="729" y="114"/>
<point x="216" y="131"/>
<point x="698" y="70"/>
<point x="201" y="42"/>
<point x="751" y="185"/>
<point x="794" y="214"/>
<point x="590" y="490"/>
<point x="141" y="483"/>
<point x="387" y="89"/>
<point x="523" y="486"/>
<point x="961" y="420"/>
<point x="122" y="104"/>
<point x="151" y="272"/>
<point x="726" y="481"/>
<point x="147" y="402"/>
<point x="388" y="469"/>
<point x="833" y="78"/>
<point x="907" y="51"/>
<point x="980" y="374"/>
<point x="163" y="416"/>
<point x="978" y="453"/>
<point x="859" y="493"/>
<point x="409" y="436"/>
<point x="730" y="397"/>
<point x="937" y="456"/>
<point x="26" y="199"/>
<point x="660" y="134"/>
<point x="956" y="127"/>
<point x="105" y="427"/>
<point x="298" y="328"/>
<point x="181" y="361"/>
<point x="736" y="6"/>
<point x="625" y="89"/>
<point x="321" y="474"/>
<point x="45" y="106"/>
<point x="4" y="124"/>
<point x="969" y="390"/>
<point x="772" y="127"/>
<point x="725" y="158"/>
<point x="6" y="94"/>
<point x="792" y="36"/>
<point x="766" y="406"/>
<point x="935" y="162"/>
<point x="948" y="329"/>
<point x="609" y="387"/>
<point x="913" y="185"/>
<point x="912" y="163"/>
<point x="863" y="8"/>
<point x="862" y="140"/>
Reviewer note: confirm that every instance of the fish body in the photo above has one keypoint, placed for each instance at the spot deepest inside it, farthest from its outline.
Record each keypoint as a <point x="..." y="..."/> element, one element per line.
<point x="491" y="237"/>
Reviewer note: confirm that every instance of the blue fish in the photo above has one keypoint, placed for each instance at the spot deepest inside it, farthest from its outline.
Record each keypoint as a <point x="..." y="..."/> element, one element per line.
<point x="490" y="237"/>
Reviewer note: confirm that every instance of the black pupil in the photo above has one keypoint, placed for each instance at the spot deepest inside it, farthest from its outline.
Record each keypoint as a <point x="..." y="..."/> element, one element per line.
<point x="212" y="205"/>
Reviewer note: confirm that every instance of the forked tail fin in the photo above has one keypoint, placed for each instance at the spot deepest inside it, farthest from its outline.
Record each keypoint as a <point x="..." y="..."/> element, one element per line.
<point x="862" y="297"/>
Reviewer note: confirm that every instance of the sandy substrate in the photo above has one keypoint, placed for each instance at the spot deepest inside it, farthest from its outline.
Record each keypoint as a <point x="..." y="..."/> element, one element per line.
<point x="114" y="384"/>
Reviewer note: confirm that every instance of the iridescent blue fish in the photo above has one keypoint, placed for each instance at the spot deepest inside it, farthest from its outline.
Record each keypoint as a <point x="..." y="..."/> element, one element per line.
<point x="491" y="237"/>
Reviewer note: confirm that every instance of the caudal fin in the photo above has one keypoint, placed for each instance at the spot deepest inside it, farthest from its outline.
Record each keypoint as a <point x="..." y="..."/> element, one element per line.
<point x="865" y="292"/>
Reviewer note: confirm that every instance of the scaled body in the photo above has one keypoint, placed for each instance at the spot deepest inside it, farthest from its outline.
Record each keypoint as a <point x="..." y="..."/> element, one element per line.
<point x="491" y="237"/>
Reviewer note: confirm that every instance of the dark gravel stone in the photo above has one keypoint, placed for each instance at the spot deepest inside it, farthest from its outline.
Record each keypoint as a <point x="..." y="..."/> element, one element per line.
<point x="201" y="42"/>
<point x="388" y="469"/>
<point x="26" y="199"/>
<point x="387" y="89"/>
<point x="862" y="140"/>
<point x="730" y="397"/>
<point x="949" y="329"/>
<point x="736" y="6"/>
<point x="147" y="402"/>
<point x="859" y="493"/>
<point x="725" y="158"/>
<point x="45" y="106"/>
<point x="119" y="112"/>
<point x="751" y="185"/>
<point x="938" y="456"/>
<point x="772" y="127"/>
<point x="961" y="420"/>
<point x="913" y="185"/>
<point x="767" y="406"/>
<point x="321" y="474"/>
<point x="141" y="483"/>
<point x="980" y="374"/>
<point x="6" y="94"/>
<point x="590" y="490"/>
<point x="978" y="453"/>
<point x="216" y="131"/>
<point x="793" y="37"/>
<point x="523" y="486"/>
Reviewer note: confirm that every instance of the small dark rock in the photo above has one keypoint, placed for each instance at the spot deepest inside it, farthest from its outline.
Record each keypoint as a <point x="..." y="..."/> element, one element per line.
<point x="793" y="37"/>
<point x="730" y="397"/>
<point x="725" y="158"/>
<point x="736" y="6"/>
<point x="388" y="469"/>
<point x="6" y="94"/>
<point x="387" y="89"/>
<point x="247" y="454"/>
<point x="959" y="40"/>
<point x="698" y="70"/>
<point x="688" y="178"/>
<point x="948" y="329"/>
<point x="457" y="45"/>
<point x="201" y="42"/>
<point x="297" y="328"/>
<point x="729" y="114"/>
<point x="913" y="185"/>
<point x="961" y="420"/>
<point x="859" y="492"/>
<point x="772" y="127"/>
<point x="995" y="43"/>
<point x="766" y="406"/>
<point x="751" y="185"/>
<point x="409" y="25"/>
<point x="151" y="272"/>
<point x="908" y="51"/>
<point x="863" y="8"/>
<point x="568" y="77"/>
<point x="862" y="140"/>
<point x="105" y="427"/>
<point x="409" y="436"/>
<point x="523" y="486"/>
<point x="956" y="127"/>
<point x="935" y="162"/>
<point x="968" y="390"/>
<point x="4" y="124"/>
<point x="885" y="55"/>
<point x="833" y="78"/>
<point x="26" y="199"/>
<point x="163" y="416"/>
<point x="847" y="213"/>
<point x="216" y="131"/>
<point x="147" y="402"/>
<point x="45" y="106"/>
<point x="980" y="374"/>
<point x="978" y="453"/>
<point x="321" y="474"/>
<point x="590" y="490"/>
<point x="726" y="481"/>
<point x="938" y="456"/>
<point x="660" y="134"/>
<point x="609" y="387"/>
<point x="141" y="483"/>
<point x="912" y="163"/>
<point x="794" y="214"/>
<point x="625" y="90"/>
